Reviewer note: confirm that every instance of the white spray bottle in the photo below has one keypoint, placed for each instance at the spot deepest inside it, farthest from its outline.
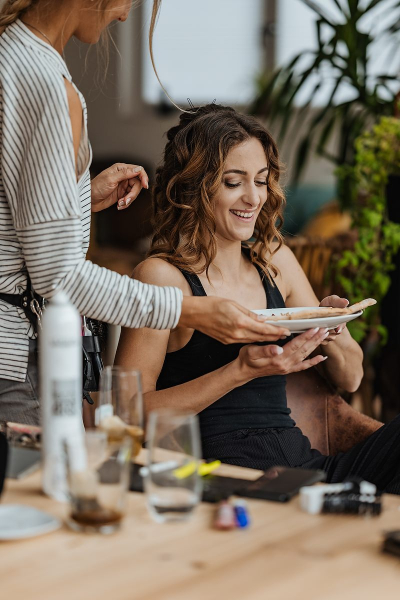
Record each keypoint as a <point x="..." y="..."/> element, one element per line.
<point x="60" y="361"/>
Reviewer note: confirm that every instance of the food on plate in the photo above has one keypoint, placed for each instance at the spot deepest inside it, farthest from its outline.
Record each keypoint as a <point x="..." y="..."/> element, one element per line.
<point x="322" y="311"/>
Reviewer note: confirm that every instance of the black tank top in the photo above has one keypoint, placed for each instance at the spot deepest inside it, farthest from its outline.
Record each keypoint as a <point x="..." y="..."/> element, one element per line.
<point x="260" y="403"/>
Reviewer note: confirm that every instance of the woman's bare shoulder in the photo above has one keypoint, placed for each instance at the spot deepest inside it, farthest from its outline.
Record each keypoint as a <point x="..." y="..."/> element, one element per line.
<point x="157" y="271"/>
<point x="281" y="256"/>
<point x="286" y="263"/>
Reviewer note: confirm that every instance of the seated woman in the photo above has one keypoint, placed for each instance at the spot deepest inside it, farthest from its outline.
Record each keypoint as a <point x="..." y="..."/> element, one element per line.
<point x="218" y="187"/>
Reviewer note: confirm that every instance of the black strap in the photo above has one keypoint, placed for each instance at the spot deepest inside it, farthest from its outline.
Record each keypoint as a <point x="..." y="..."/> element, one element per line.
<point x="91" y="343"/>
<point x="92" y="362"/>
<point x="24" y="301"/>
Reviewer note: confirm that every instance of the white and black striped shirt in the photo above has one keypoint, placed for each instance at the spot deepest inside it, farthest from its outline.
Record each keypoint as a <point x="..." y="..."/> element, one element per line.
<point x="45" y="212"/>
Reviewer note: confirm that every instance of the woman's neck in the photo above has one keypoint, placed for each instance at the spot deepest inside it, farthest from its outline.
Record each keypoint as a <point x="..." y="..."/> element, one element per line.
<point x="228" y="264"/>
<point x="55" y="23"/>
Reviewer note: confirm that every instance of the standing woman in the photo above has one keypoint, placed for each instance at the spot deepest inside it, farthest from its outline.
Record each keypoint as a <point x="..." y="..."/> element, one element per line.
<point x="46" y="198"/>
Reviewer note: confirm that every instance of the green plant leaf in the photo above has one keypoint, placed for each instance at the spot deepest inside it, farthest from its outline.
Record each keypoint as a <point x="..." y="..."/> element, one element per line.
<point x="302" y="156"/>
<point x="340" y="7"/>
<point x="325" y="135"/>
<point x="322" y="15"/>
<point x="384" y="334"/>
<point x="396" y="26"/>
<point x="264" y="96"/>
<point x="346" y="47"/>
<point x="372" y="5"/>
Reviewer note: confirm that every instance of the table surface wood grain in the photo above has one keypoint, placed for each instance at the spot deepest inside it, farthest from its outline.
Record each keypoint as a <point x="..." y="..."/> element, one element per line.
<point x="285" y="554"/>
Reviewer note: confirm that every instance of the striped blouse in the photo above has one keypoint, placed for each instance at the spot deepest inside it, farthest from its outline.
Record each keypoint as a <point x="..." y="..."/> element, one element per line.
<point x="45" y="209"/>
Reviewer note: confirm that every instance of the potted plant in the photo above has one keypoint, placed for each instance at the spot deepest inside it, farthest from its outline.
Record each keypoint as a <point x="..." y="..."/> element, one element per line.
<point x="343" y="57"/>
<point x="365" y="271"/>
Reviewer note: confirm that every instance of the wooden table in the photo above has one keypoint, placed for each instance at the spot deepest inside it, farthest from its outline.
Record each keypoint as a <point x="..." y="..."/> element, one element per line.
<point x="285" y="554"/>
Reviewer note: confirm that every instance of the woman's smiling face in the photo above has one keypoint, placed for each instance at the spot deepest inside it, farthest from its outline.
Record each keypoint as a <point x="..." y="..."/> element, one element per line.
<point x="243" y="191"/>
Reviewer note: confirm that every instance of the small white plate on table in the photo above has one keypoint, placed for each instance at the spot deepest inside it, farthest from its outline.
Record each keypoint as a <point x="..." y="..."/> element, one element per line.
<point x="301" y="325"/>
<point x="19" y="521"/>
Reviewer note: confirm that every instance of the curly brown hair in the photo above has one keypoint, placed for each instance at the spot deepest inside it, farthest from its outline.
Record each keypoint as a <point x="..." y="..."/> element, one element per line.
<point x="186" y="182"/>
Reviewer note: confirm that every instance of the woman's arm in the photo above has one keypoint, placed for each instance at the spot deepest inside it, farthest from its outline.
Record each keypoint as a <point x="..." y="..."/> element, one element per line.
<point x="145" y="349"/>
<point x="41" y="189"/>
<point x="344" y="364"/>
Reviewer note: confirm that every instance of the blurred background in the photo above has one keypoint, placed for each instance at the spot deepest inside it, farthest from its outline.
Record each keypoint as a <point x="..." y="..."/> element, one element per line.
<point x="323" y="75"/>
<point x="203" y="51"/>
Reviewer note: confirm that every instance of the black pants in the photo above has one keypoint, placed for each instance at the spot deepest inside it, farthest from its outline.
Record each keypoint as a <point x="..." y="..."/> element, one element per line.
<point x="377" y="459"/>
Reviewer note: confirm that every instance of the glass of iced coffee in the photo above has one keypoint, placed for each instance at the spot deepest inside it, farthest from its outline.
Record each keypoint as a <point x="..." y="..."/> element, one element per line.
<point x="98" y="481"/>
<point x="120" y="410"/>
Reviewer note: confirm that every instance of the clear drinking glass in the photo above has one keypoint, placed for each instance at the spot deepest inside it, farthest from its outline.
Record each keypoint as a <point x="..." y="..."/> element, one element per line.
<point x="172" y="483"/>
<point x="120" y="410"/>
<point x="98" y="481"/>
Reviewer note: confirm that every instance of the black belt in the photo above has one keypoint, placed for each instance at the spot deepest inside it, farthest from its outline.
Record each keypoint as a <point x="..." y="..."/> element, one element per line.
<point x="29" y="301"/>
<point x="32" y="305"/>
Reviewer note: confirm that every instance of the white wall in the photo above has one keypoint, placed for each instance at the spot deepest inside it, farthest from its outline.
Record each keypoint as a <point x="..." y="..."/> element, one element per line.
<point x="122" y="125"/>
<point x="205" y="50"/>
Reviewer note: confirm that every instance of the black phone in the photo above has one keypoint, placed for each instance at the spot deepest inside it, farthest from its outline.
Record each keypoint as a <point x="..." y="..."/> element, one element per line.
<point x="391" y="542"/>
<point x="278" y="483"/>
<point x="281" y="483"/>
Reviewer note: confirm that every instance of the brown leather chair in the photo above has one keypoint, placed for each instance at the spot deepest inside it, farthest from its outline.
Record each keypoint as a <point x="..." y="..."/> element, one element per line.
<point x="330" y="423"/>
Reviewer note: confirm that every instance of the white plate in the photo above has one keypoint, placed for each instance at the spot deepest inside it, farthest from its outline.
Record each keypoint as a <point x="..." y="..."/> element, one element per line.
<point x="300" y="325"/>
<point x="18" y="521"/>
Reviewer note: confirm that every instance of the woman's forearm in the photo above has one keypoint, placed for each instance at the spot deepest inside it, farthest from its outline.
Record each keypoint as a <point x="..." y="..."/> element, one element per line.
<point x="344" y="365"/>
<point x="197" y="394"/>
<point x="54" y="258"/>
<point x="252" y="362"/>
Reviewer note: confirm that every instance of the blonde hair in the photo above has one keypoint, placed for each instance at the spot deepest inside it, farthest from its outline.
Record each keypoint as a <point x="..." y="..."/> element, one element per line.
<point x="153" y="22"/>
<point x="13" y="10"/>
